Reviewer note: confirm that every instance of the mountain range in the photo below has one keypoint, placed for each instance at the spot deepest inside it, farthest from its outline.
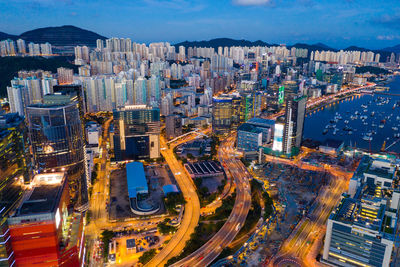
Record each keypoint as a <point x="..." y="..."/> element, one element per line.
<point x="66" y="35"/>
<point x="69" y="35"/>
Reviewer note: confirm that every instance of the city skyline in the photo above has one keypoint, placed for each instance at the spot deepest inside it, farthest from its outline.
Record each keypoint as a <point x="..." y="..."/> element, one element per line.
<point x="339" y="25"/>
<point x="121" y="145"/>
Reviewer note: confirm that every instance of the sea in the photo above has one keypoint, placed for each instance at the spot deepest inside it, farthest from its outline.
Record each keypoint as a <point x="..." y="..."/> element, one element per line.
<point x="361" y="121"/>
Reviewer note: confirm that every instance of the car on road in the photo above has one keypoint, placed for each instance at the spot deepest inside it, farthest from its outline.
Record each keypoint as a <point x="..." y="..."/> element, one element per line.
<point x="178" y="173"/>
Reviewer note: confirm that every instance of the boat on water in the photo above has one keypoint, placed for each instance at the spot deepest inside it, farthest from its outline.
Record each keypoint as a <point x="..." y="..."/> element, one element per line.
<point x="372" y="113"/>
<point x="367" y="138"/>
<point x="382" y="124"/>
<point x="325" y="131"/>
<point x="395" y="128"/>
<point x="364" y="106"/>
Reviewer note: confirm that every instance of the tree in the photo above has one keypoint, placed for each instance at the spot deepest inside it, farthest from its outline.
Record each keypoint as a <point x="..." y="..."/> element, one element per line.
<point x="165" y="229"/>
<point x="172" y="200"/>
<point x="147" y="256"/>
<point x="106" y="237"/>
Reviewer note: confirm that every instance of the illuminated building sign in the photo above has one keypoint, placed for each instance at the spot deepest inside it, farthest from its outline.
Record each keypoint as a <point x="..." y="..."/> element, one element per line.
<point x="281" y="96"/>
<point x="58" y="218"/>
<point x="278" y="138"/>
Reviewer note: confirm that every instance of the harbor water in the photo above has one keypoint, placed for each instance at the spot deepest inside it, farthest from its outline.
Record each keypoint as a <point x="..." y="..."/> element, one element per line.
<point x="363" y="121"/>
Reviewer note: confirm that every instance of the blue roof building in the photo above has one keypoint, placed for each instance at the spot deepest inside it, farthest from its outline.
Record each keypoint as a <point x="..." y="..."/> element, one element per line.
<point x="170" y="188"/>
<point x="136" y="179"/>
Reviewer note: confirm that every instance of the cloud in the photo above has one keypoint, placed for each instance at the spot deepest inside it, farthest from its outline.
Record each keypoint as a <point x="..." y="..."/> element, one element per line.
<point x="388" y="21"/>
<point x="180" y="5"/>
<point x="388" y="37"/>
<point x="251" y="2"/>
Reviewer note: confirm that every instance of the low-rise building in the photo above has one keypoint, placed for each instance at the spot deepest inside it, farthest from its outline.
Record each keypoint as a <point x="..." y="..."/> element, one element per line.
<point x="361" y="229"/>
<point x="249" y="137"/>
<point x="204" y="169"/>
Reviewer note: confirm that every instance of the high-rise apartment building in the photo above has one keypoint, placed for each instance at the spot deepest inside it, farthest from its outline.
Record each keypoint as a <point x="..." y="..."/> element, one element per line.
<point x="136" y="132"/>
<point x="57" y="139"/>
<point x="21" y="46"/>
<point x="361" y="230"/>
<point x="294" y="123"/>
<point x="65" y="76"/>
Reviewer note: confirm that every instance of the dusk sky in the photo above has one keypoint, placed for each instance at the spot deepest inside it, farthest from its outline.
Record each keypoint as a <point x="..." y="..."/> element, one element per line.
<point x="338" y="23"/>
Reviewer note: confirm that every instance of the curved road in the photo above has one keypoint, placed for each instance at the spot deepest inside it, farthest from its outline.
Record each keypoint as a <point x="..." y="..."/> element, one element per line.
<point x="210" y="251"/>
<point x="192" y="208"/>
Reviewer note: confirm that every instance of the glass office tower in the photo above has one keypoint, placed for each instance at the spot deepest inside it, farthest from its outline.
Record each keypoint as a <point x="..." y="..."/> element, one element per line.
<point x="57" y="138"/>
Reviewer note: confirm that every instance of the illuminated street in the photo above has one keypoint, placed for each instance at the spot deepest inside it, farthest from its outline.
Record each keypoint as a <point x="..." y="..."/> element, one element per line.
<point x="192" y="208"/>
<point x="235" y="168"/>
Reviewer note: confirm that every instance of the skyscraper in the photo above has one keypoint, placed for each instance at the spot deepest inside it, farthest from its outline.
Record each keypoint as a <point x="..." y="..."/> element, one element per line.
<point x="173" y="126"/>
<point x="57" y="140"/>
<point x="136" y="132"/>
<point x="65" y="76"/>
<point x="43" y="231"/>
<point x="140" y="91"/>
<point x="222" y="115"/>
<point x="294" y="122"/>
<point x="14" y="172"/>
<point x="21" y="46"/>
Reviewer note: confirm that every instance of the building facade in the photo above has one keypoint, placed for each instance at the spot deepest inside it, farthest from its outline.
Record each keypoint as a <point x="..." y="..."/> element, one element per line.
<point x="221" y="115"/>
<point x="58" y="143"/>
<point x="136" y="132"/>
<point x="43" y="231"/>
<point x="173" y="126"/>
<point x="361" y="229"/>
<point x="294" y="123"/>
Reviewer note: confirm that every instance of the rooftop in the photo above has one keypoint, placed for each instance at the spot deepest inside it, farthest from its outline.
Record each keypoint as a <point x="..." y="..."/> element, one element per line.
<point x="136" y="178"/>
<point x="365" y="213"/>
<point x="247" y="127"/>
<point x="204" y="168"/>
<point x="44" y="196"/>
<point x="261" y="121"/>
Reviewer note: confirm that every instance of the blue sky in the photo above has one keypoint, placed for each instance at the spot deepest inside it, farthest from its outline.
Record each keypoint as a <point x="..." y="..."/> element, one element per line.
<point x="338" y="23"/>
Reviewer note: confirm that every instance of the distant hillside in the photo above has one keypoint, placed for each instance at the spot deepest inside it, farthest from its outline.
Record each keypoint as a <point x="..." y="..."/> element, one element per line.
<point x="4" y="36"/>
<point x="9" y="67"/>
<point x="215" y="43"/>
<point x="313" y="47"/>
<point x="356" y="48"/>
<point x="66" y="35"/>
<point x="394" y="49"/>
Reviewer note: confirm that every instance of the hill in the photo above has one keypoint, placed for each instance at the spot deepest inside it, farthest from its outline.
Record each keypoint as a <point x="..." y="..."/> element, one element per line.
<point x="4" y="36"/>
<point x="9" y="67"/>
<point x="66" y="35"/>
<point x="356" y="48"/>
<point x="215" y="43"/>
<point x="313" y="47"/>
<point x="394" y="49"/>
